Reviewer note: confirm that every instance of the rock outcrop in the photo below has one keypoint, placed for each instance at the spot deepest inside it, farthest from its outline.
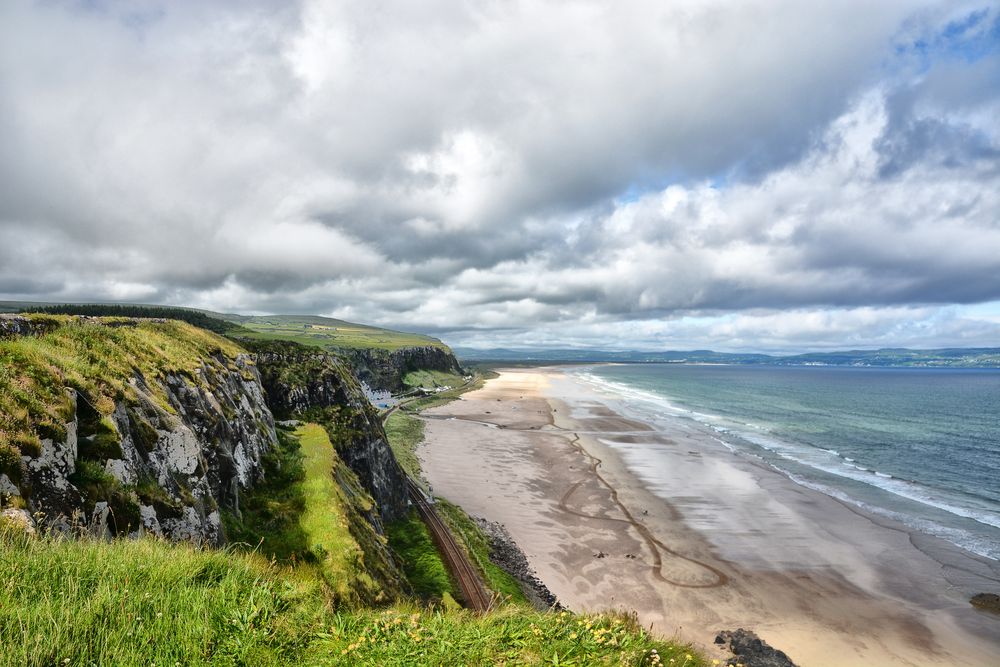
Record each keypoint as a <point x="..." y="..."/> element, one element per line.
<point x="132" y="426"/>
<point x="12" y="326"/>
<point x="385" y="369"/>
<point x="987" y="602"/>
<point x="751" y="651"/>
<point x="162" y="467"/>
<point x="126" y="426"/>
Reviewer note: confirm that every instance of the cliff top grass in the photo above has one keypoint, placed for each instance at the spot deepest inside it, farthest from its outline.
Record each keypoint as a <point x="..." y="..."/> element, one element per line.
<point x="431" y="379"/>
<point x="328" y="333"/>
<point x="96" y="356"/>
<point x="142" y="602"/>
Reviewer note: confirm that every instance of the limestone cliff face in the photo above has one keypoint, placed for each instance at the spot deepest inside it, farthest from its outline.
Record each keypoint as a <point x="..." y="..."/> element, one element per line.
<point x="385" y="369"/>
<point x="303" y="383"/>
<point x="125" y="426"/>
<point x="173" y="466"/>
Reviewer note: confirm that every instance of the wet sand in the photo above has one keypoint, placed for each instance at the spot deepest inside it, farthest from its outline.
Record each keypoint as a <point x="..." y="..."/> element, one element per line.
<point x="614" y="514"/>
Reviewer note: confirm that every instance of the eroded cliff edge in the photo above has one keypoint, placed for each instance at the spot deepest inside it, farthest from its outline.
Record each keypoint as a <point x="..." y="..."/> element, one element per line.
<point x="304" y="384"/>
<point x="385" y="369"/>
<point x="122" y="426"/>
<point x="117" y="426"/>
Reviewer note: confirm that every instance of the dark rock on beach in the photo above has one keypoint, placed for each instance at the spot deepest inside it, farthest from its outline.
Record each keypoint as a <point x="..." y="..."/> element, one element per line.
<point x="751" y="651"/>
<point x="987" y="602"/>
<point x="505" y="553"/>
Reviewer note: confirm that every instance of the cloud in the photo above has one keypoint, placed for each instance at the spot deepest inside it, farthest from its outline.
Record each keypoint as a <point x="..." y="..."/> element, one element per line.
<point x="490" y="170"/>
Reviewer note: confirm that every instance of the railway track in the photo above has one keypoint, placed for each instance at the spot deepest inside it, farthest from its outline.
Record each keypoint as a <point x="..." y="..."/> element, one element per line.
<point x="476" y="596"/>
<point x="473" y="591"/>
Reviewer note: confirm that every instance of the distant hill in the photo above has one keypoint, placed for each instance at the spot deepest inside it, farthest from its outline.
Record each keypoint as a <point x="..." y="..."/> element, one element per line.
<point x="890" y="357"/>
<point x="312" y="330"/>
<point x="327" y="332"/>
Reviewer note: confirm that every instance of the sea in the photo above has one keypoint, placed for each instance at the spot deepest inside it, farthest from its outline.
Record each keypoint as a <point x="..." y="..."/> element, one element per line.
<point x="917" y="445"/>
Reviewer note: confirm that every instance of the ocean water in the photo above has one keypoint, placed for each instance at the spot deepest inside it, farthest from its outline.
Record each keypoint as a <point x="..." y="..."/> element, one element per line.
<point x="921" y="446"/>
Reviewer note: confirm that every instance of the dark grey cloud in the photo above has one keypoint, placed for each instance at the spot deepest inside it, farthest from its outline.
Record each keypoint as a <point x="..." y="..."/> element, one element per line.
<point x="564" y="168"/>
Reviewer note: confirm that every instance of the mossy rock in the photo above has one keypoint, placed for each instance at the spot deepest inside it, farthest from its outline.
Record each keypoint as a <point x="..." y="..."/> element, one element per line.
<point x="986" y="602"/>
<point x="144" y="433"/>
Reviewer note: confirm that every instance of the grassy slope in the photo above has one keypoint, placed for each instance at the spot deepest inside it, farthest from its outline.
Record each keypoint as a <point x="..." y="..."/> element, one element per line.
<point x="325" y="519"/>
<point x="301" y="515"/>
<point x="95" y="358"/>
<point x="329" y="333"/>
<point x="136" y="602"/>
<point x="269" y="512"/>
<point x="142" y="602"/>
<point x="422" y="564"/>
<point x="405" y="433"/>
<point x="431" y="379"/>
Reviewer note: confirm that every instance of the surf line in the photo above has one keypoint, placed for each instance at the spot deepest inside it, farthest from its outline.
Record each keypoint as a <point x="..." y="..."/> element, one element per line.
<point x="653" y="543"/>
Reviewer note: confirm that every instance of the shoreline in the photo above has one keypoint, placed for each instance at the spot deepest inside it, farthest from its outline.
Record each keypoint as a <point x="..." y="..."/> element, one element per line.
<point x="570" y="479"/>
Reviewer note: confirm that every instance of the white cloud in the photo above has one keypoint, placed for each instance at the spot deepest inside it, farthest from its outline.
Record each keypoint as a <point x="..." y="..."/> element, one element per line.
<point x="621" y="172"/>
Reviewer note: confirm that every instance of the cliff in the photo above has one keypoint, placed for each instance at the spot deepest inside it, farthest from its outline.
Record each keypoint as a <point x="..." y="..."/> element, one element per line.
<point x="385" y="369"/>
<point x="302" y="383"/>
<point x="121" y="426"/>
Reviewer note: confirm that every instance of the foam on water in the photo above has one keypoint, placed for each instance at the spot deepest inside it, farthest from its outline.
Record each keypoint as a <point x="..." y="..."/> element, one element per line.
<point x="819" y="468"/>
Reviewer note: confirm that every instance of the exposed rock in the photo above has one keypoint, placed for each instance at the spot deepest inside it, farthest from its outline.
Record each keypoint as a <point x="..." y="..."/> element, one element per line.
<point x="751" y="651"/>
<point x="505" y="553"/>
<point x="987" y="602"/>
<point x="7" y="487"/>
<point x="19" y="325"/>
<point x="176" y="466"/>
<point x="384" y="370"/>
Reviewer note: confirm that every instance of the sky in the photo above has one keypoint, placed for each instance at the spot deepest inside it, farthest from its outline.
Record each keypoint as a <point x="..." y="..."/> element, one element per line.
<point x="771" y="176"/>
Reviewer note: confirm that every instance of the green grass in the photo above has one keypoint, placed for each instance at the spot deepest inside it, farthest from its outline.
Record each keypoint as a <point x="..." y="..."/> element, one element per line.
<point x="325" y="520"/>
<point x="270" y="511"/>
<point x="432" y="379"/>
<point x="405" y="433"/>
<point x="329" y="333"/>
<point x="510" y="636"/>
<point x="308" y="511"/>
<point x="422" y="564"/>
<point x="142" y="602"/>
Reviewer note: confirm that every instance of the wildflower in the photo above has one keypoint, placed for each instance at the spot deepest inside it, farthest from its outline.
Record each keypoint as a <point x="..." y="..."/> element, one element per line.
<point x="572" y="635"/>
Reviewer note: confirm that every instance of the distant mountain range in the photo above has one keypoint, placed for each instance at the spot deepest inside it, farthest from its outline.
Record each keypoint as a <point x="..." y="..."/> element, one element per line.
<point x="985" y="357"/>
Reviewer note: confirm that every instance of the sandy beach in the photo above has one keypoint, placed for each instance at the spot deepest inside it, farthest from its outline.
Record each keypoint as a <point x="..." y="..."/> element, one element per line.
<point x="613" y="513"/>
